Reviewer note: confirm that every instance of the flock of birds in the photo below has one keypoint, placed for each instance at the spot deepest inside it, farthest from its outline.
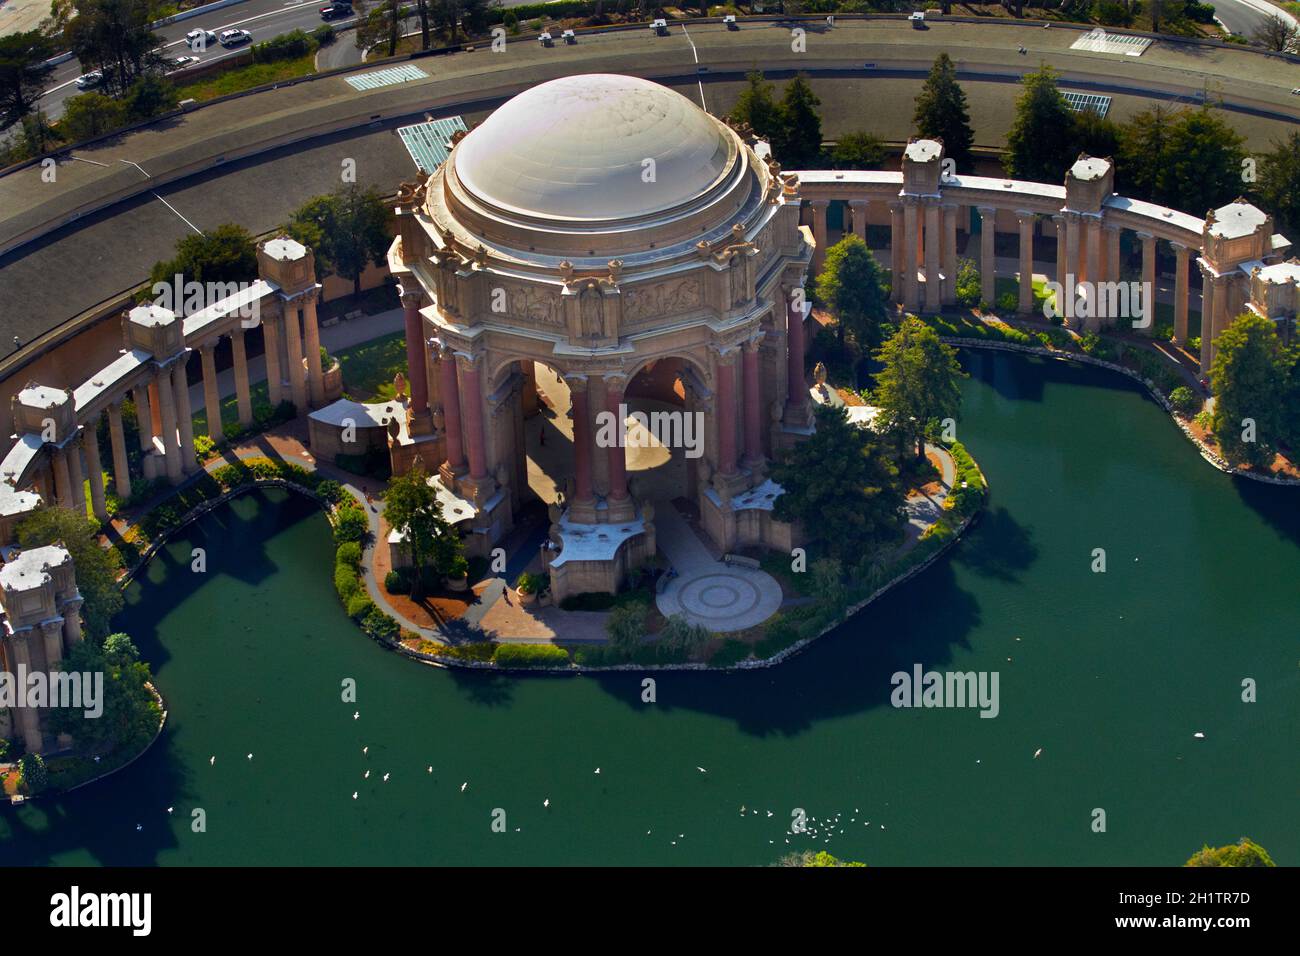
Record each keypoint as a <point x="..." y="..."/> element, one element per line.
<point x="826" y="831"/>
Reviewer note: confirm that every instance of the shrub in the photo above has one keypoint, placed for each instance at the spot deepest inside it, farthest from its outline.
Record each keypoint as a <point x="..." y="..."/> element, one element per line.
<point x="359" y="605"/>
<point x="778" y="634"/>
<point x="379" y="625"/>
<point x="532" y="583"/>
<point x="1194" y="343"/>
<point x="348" y="555"/>
<point x="625" y="626"/>
<point x="330" y="490"/>
<point x="324" y="34"/>
<point x="968" y="283"/>
<point x="1184" y="400"/>
<point x="679" y="634"/>
<point x="398" y="581"/>
<point x="531" y="655"/>
<point x="286" y="46"/>
<point x="346" y="583"/>
<point x="732" y="651"/>
<point x="204" y="446"/>
<point x="350" y="524"/>
<point x="35" y="777"/>
<point x="1008" y="302"/>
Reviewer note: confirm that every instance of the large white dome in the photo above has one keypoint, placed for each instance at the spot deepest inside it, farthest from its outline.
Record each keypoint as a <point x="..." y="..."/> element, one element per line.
<point x="576" y="149"/>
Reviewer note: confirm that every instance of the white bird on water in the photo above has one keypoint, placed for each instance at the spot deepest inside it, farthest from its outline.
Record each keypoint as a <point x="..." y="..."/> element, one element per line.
<point x="463" y="786"/>
<point x="430" y="768"/>
<point x="1198" y="735"/>
<point x="547" y="803"/>
<point x="366" y="775"/>
<point x="354" y="794"/>
<point x="250" y="756"/>
<point x="170" y="809"/>
<point x="212" y="761"/>
<point x="597" y="770"/>
<point x="701" y="770"/>
<point x="386" y="776"/>
<point x="1038" y="752"/>
<point x="366" y="749"/>
<point x="356" y="715"/>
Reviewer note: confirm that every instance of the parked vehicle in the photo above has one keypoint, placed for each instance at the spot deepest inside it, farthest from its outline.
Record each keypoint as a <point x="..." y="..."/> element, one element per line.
<point x="235" y="37"/>
<point x="201" y="39"/>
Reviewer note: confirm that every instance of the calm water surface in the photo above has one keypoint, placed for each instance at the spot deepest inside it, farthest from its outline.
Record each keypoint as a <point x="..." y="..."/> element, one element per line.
<point x="1111" y="676"/>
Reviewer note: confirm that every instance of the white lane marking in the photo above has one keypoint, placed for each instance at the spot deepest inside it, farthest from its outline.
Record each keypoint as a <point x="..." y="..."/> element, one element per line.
<point x="159" y="198"/>
<point x="695" y="54"/>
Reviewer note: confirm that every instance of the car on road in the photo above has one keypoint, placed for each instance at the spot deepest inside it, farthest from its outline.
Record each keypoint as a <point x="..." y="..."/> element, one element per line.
<point x="336" y="11"/>
<point x="235" y="37"/>
<point x="200" y="39"/>
<point x="90" y="80"/>
<point x="181" y="62"/>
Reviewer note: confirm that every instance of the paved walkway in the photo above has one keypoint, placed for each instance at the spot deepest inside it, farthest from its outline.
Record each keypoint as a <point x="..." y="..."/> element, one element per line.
<point x="719" y="596"/>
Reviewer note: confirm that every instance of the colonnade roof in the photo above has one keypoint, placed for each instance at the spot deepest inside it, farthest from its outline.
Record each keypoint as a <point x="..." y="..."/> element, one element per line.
<point x="106" y="380"/>
<point x="202" y="322"/>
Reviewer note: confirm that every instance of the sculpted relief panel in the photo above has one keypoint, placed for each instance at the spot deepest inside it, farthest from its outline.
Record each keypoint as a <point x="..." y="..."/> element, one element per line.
<point x="674" y="297"/>
<point x="530" y="303"/>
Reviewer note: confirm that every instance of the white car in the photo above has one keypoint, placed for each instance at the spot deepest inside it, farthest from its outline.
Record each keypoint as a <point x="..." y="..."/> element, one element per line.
<point x="90" y="80"/>
<point x="181" y="62"/>
<point x="235" y="37"/>
<point x="200" y="39"/>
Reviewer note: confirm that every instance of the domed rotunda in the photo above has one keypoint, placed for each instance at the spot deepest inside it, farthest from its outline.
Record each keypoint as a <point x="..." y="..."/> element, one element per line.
<point x="605" y="233"/>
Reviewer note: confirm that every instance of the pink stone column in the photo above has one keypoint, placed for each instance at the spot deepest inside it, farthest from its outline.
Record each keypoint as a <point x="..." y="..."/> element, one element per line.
<point x="451" y="409"/>
<point x="581" y="437"/>
<point x="753" y="404"/>
<point x="470" y="368"/>
<point x="415" y="351"/>
<point x="726" y="414"/>
<point x="616" y="453"/>
<point x="797" y="392"/>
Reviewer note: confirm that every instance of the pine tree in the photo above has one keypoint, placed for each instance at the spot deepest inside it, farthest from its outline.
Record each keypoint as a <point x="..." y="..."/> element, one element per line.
<point x="800" y="144"/>
<point x="1278" y="188"/>
<point x="1248" y="378"/>
<point x="1039" y="145"/>
<point x="758" y="108"/>
<point x="941" y="112"/>
<point x="850" y="285"/>
<point x="919" y="383"/>
<point x="841" y="486"/>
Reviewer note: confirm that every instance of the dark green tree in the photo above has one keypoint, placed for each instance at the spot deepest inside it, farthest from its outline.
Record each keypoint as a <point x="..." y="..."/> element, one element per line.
<point x="1248" y="378"/>
<point x="1144" y="153"/>
<point x="347" y="229"/>
<point x="149" y="96"/>
<point x="89" y="115"/>
<point x="1095" y="135"/>
<point x="800" y="139"/>
<point x="1204" y="163"/>
<point x="411" y="504"/>
<point x="131" y="713"/>
<point x="858" y="151"/>
<point x="1039" y="144"/>
<point x="23" y="72"/>
<point x="919" y="383"/>
<point x="1278" y="185"/>
<point x="841" y="485"/>
<point x="96" y="567"/>
<point x="757" y="107"/>
<point x="226" y="254"/>
<point x="114" y="36"/>
<point x="941" y="113"/>
<point x="850" y="285"/>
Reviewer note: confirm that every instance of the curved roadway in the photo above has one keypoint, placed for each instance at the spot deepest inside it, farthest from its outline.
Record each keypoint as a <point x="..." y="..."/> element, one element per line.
<point x="269" y="151"/>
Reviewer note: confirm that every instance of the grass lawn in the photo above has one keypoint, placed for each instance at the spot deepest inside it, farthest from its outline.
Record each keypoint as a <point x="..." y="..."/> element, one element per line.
<point x="369" y="368"/>
<point x="246" y="77"/>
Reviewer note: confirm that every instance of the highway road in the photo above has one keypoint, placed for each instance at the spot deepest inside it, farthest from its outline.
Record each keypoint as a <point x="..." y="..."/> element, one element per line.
<point x="1244" y="16"/>
<point x="264" y="19"/>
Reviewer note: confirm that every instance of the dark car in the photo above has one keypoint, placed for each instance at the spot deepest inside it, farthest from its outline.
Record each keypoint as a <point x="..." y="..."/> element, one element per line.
<point x="336" y="11"/>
